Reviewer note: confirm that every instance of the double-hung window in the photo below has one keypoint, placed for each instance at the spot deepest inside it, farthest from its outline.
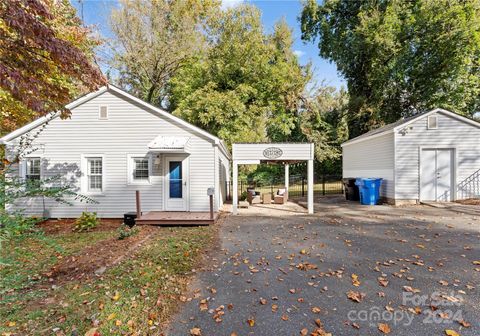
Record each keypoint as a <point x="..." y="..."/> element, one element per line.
<point x="32" y="169"/>
<point x="94" y="174"/>
<point x="139" y="169"/>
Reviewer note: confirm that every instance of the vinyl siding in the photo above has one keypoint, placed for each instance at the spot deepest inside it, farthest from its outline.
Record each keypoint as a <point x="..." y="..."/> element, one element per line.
<point x="451" y="133"/>
<point x="372" y="158"/>
<point x="128" y="130"/>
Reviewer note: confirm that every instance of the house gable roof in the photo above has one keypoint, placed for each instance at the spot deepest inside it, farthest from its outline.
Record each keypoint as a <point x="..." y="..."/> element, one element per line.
<point x="85" y="98"/>
<point x="395" y="126"/>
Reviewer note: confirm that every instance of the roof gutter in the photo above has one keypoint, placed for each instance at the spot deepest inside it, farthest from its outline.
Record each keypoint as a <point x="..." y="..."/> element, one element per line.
<point x="354" y="141"/>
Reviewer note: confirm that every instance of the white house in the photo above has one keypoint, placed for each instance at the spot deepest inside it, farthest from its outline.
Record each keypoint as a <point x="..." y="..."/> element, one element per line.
<point x="432" y="156"/>
<point x="115" y="144"/>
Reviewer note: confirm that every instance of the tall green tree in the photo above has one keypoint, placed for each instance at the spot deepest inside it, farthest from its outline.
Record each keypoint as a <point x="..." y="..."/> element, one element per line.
<point x="153" y="38"/>
<point x="247" y="86"/>
<point x="400" y="57"/>
<point x="323" y="121"/>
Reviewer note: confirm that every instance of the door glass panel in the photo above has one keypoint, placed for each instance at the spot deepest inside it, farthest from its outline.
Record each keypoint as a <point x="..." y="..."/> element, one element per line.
<point x="175" y="169"/>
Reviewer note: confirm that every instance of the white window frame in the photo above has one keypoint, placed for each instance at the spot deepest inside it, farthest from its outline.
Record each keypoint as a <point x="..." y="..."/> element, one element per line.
<point x="131" y="166"/>
<point x="100" y="112"/>
<point x="23" y="166"/>
<point x="85" y="174"/>
<point x="436" y="122"/>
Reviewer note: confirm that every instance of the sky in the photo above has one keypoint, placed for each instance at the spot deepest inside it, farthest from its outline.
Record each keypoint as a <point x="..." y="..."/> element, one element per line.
<point x="97" y="13"/>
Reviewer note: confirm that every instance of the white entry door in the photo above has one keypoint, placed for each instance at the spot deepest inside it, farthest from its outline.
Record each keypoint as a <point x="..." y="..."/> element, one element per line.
<point x="436" y="175"/>
<point x="176" y="183"/>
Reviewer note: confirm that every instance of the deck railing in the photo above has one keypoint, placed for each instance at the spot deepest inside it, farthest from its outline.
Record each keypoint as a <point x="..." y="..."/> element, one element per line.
<point x="469" y="187"/>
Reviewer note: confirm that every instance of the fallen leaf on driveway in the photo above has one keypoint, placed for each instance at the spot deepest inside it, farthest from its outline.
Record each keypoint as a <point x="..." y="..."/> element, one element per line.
<point x="274" y="307"/>
<point x="195" y="332"/>
<point x="384" y="328"/>
<point x="203" y="305"/>
<point x="263" y="301"/>
<point x="285" y="317"/>
<point x="417" y="310"/>
<point x="411" y="289"/>
<point x="355" y="280"/>
<point x="382" y="281"/>
<point x="464" y="323"/>
<point x="450" y="332"/>
<point x="316" y="310"/>
<point x="304" y="332"/>
<point x="251" y="322"/>
<point x="355" y="296"/>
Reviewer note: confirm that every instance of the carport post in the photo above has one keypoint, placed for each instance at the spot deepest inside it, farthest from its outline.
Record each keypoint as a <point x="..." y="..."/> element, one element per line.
<point x="287" y="183"/>
<point x="310" y="186"/>
<point x="235" y="188"/>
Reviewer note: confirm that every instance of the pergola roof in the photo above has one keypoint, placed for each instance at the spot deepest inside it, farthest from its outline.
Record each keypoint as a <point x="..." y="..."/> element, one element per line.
<point x="272" y="152"/>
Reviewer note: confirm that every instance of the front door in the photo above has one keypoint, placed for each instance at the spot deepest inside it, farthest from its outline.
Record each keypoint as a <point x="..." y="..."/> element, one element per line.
<point x="176" y="178"/>
<point x="436" y="175"/>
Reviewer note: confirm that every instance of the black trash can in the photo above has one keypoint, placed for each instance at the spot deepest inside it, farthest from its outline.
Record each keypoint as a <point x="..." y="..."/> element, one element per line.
<point x="129" y="218"/>
<point x="351" y="190"/>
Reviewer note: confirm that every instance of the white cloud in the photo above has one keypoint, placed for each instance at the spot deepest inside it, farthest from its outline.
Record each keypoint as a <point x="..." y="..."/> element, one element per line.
<point x="299" y="53"/>
<point x="231" y="3"/>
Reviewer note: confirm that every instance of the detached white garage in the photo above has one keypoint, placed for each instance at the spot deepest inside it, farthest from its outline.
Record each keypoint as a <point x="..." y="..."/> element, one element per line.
<point x="432" y="156"/>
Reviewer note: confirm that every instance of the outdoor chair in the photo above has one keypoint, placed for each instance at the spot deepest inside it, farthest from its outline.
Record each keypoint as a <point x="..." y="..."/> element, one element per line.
<point x="281" y="197"/>
<point x="253" y="197"/>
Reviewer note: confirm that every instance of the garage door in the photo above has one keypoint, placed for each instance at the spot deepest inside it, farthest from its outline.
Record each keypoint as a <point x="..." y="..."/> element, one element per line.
<point x="436" y="175"/>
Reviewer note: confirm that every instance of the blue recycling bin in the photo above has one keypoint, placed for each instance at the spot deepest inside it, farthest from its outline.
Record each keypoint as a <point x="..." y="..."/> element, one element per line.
<point x="369" y="190"/>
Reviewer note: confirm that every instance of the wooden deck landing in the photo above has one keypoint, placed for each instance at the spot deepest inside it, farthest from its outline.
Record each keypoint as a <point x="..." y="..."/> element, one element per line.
<point x="176" y="218"/>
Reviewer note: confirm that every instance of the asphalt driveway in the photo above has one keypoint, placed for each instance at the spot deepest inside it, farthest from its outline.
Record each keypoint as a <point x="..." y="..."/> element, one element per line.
<point x="347" y="270"/>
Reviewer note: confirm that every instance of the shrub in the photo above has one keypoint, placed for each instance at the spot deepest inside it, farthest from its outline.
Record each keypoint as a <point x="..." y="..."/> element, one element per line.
<point x="86" y="222"/>
<point x="13" y="225"/>
<point x="124" y="231"/>
<point x="243" y="196"/>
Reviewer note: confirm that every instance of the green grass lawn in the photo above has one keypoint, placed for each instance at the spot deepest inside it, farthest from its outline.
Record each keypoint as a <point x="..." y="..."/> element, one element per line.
<point x="135" y="296"/>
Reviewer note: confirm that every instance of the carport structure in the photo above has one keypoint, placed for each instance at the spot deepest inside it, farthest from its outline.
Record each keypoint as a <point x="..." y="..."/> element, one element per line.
<point x="280" y="153"/>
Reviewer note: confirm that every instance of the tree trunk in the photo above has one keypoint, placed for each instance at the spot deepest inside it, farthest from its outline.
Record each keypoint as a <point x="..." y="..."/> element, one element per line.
<point x="150" y="94"/>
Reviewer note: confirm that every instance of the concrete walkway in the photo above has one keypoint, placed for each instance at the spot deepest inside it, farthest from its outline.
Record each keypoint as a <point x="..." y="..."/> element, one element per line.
<point x="279" y="271"/>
